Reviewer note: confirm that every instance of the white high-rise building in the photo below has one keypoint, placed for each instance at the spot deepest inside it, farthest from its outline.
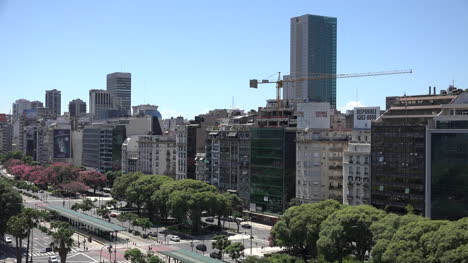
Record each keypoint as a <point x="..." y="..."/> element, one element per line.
<point x="356" y="169"/>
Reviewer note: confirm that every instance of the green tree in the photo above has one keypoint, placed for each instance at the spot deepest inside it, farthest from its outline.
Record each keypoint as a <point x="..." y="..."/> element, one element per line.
<point x="188" y="198"/>
<point x="235" y="250"/>
<point x="135" y="256"/>
<point x="234" y="207"/>
<point x="4" y="158"/>
<point x="221" y="242"/>
<point x="128" y="217"/>
<point x="10" y="203"/>
<point x="408" y="243"/>
<point x="299" y="227"/>
<point x="449" y="243"/>
<point x="347" y="231"/>
<point x="384" y="229"/>
<point x="84" y="206"/>
<point x="103" y="212"/>
<point x="112" y="203"/>
<point x="144" y="223"/>
<point x="32" y="217"/>
<point x="62" y="239"/>
<point x="17" y="226"/>
<point x="119" y="188"/>
<point x="112" y="176"/>
<point x="140" y="191"/>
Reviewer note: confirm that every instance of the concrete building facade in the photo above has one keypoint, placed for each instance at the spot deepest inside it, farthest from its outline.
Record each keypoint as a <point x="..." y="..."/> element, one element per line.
<point x="356" y="169"/>
<point x="100" y="103"/>
<point x="119" y="85"/>
<point x="319" y="164"/>
<point x="53" y="101"/>
<point x="76" y="108"/>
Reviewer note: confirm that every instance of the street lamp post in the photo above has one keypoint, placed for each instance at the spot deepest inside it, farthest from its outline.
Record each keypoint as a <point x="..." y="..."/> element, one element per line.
<point x="251" y="232"/>
<point x="100" y="253"/>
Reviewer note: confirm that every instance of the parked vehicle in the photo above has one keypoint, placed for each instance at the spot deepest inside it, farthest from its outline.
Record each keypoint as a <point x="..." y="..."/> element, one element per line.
<point x="153" y="234"/>
<point x="201" y="247"/>
<point x="114" y="214"/>
<point x="53" y="259"/>
<point x="209" y="219"/>
<point x="248" y="226"/>
<point x="216" y="255"/>
<point x="175" y="238"/>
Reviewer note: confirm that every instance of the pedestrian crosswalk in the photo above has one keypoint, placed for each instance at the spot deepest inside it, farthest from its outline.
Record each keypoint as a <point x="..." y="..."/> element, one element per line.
<point x="42" y="253"/>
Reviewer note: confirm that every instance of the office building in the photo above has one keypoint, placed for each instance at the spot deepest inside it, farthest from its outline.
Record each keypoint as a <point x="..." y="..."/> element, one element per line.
<point x="53" y="101"/>
<point x="100" y="103"/>
<point x="227" y="160"/>
<point x="6" y="134"/>
<point x="150" y="154"/>
<point x="119" y="85"/>
<point x="36" y="104"/>
<point x="272" y="169"/>
<point x="446" y="162"/>
<point x="76" y="108"/>
<point x="18" y="108"/>
<point x="356" y="169"/>
<point x="191" y="139"/>
<point x="102" y="146"/>
<point x="186" y="144"/>
<point x="398" y="149"/>
<point x="146" y="109"/>
<point x="313" y="52"/>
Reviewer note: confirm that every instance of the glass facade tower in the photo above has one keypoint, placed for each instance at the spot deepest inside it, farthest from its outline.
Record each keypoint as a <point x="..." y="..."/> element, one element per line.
<point x="449" y="174"/>
<point x="273" y="160"/>
<point x="313" y="52"/>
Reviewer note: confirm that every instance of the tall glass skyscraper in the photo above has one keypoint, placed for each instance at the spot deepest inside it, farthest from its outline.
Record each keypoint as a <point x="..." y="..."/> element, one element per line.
<point x="313" y="51"/>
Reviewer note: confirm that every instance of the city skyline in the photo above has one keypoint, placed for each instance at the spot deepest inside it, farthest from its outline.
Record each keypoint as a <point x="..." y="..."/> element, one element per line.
<point x="211" y="62"/>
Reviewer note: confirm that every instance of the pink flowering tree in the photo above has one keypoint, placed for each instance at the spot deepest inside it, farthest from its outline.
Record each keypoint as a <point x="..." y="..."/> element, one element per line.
<point x="93" y="179"/>
<point x="35" y="172"/>
<point x="61" y="173"/>
<point x="19" y="171"/>
<point x="11" y="163"/>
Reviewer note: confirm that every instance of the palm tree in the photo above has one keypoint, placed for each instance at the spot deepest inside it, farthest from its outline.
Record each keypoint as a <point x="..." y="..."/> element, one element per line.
<point x="18" y="227"/>
<point x="63" y="241"/>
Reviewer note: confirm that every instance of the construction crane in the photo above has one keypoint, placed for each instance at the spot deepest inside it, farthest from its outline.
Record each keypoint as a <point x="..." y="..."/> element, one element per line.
<point x="279" y="83"/>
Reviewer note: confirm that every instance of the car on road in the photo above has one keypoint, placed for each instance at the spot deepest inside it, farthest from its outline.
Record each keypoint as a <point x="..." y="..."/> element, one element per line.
<point x="53" y="259"/>
<point x="216" y="255"/>
<point x="114" y="214"/>
<point x="201" y="247"/>
<point x="175" y="238"/>
<point x="48" y="249"/>
<point x="153" y="234"/>
<point x="209" y="219"/>
<point x="246" y="226"/>
<point x="8" y="240"/>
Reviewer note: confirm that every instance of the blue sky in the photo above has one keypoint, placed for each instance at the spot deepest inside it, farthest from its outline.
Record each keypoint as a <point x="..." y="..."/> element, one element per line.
<point x="191" y="56"/>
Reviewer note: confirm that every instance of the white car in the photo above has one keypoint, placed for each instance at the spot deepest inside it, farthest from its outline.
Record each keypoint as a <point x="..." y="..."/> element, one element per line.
<point x="175" y="238"/>
<point x="53" y="259"/>
<point x="8" y="240"/>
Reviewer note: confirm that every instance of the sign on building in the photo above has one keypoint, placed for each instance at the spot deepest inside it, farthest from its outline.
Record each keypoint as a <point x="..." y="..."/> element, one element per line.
<point x="363" y="116"/>
<point x="62" y="143"/>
